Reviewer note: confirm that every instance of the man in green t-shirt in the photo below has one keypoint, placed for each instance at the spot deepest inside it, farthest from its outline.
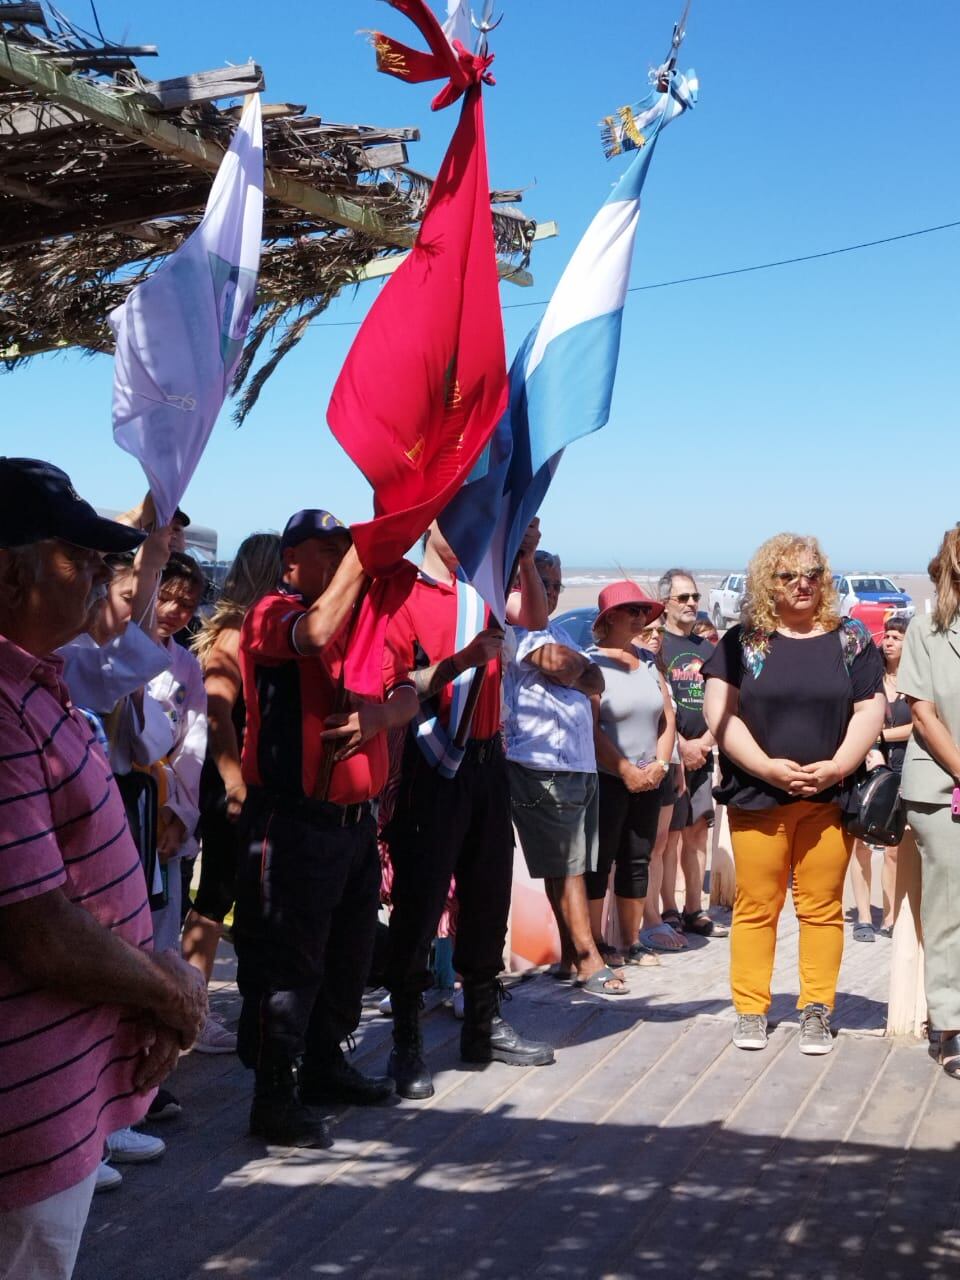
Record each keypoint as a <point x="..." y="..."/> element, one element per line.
<point x="682" y="655"/>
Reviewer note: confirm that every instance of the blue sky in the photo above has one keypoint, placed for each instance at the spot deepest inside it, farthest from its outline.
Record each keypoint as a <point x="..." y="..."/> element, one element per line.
<point x="821" y="397"/>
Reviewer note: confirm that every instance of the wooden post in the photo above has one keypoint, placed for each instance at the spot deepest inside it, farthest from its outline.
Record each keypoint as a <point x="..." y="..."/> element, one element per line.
<point x="907" y="1004"/>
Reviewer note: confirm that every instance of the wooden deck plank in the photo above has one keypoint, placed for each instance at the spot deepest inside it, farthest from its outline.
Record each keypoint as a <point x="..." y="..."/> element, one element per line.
<point x="652" y="1148"/>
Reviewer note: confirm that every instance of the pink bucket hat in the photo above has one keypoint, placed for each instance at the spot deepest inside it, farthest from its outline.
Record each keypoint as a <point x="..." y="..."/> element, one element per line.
<point x="626" y="592"/>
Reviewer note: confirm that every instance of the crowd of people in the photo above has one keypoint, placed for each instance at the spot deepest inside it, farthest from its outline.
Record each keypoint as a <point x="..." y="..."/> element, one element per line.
<point x="138" y="730"/>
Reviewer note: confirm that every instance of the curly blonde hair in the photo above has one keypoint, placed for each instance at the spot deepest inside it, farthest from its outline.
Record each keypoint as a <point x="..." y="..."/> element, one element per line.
<point x="759" y="611"/>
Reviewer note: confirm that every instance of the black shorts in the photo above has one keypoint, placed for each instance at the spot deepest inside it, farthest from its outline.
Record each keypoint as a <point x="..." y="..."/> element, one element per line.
<point x="218" y="849"/>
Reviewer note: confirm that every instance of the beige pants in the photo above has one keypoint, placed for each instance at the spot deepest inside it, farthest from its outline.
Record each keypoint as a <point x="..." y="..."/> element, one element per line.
<point x="40" y="1242"/>
<point x="938" y="839"/>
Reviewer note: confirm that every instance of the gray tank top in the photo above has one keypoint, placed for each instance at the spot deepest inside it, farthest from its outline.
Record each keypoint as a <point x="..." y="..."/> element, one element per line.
<point x="631" y="706"/>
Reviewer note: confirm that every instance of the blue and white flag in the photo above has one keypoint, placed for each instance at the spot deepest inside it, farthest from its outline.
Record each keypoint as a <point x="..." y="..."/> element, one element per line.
<point x="561" y="380"/>
<point x="180" y="332"/>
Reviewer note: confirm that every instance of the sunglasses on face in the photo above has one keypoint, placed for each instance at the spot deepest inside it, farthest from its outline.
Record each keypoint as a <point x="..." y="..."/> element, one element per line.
<point x="686" y="596"/>
<point x="634" y="610"/>
<point x="789" y="577"/>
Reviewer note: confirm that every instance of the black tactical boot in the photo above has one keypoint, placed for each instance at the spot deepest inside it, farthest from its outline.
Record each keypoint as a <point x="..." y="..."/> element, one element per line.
<point x="406" y="1065"/>
<point x="334" y="1080"/>
<point x="278" y="1116"/>
<point x="487" y="1038"/>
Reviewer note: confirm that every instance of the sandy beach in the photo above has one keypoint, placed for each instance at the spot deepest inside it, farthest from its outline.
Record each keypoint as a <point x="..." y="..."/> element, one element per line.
<point x="582" y="585"/>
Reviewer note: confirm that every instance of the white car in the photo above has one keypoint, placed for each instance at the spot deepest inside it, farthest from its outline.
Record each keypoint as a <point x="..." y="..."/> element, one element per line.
<point x="872" y="588"/>
<point x="725" y="600"/>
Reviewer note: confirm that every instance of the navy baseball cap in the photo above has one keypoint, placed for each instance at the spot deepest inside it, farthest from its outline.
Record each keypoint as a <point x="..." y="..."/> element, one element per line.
<point x="312" y="523"/>
<point x="37" y="501"/>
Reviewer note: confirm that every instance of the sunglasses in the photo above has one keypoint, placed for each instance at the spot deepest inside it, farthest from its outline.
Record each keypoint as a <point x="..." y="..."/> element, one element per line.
<point x="635" y="610"/>
<point x="788" y="578"/>
<point x="685" y="596"/>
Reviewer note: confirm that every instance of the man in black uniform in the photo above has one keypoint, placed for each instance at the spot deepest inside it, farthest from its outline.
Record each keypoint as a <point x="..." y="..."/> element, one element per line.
<point x="309" y="876"/>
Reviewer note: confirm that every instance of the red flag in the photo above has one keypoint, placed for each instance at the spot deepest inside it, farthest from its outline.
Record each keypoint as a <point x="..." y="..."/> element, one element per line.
<point x="426" y="380"/>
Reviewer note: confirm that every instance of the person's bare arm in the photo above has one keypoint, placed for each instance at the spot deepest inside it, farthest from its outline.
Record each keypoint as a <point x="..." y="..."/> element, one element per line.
<point x="223" y="683"/>
<point x="668" y="725"/>
<point x="527" y="607"/>
<point x="58" y="945"/>
<point x="150" y="560"/>
<point x="319" y="625"/>
<point x="936" y="736"/>
<point x="353" y="728"/>
<point x="428" y="681"/>
<point x="897" y="733"/>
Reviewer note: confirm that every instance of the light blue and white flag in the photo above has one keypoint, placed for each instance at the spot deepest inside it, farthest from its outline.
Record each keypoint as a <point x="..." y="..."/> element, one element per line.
<point x="180" y="332"/>
<point x="561" y="380"/>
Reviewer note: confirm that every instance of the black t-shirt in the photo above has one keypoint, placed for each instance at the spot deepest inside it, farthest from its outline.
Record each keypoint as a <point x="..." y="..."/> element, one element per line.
<point x="797" y="707"/>
<point x="683" y="657"/>
<point x="898" y="714"/>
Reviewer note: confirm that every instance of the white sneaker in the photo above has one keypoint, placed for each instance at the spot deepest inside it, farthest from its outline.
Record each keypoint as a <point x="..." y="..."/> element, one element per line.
<point x="385" y="1007"/>
<point x="108" y="1178"/>
<point x="750" y="1031"/>
<point x="215" y="1038"/>
<point x="126" y="1146"/>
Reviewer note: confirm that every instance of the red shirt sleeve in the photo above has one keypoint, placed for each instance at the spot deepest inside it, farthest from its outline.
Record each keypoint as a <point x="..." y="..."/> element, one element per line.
<point x="399" y="658"/>
<point x="268" y="628"/>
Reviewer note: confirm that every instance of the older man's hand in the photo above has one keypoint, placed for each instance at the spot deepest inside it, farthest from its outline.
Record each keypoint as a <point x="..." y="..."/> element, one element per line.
<point x="185" y="1008"/>
<point x="160" y="1051"/>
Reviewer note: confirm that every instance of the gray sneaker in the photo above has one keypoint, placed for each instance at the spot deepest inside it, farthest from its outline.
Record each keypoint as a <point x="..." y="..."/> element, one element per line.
<point x="750" y="1031"/>
<point x="815" y="1034"/>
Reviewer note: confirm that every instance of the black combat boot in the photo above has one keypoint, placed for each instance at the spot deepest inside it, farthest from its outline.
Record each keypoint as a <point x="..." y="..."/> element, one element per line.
<point x="406" y="1065"/>
<point x="278" y="1116"/>
<point x="333" y="1079"/>
<point x="487" y="1038"/>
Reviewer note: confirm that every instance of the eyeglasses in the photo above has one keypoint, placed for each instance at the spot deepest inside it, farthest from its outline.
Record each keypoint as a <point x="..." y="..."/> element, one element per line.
<point x="684" y="596"/>
<point x="635" y="610"/>
<point x="788" y="578"/>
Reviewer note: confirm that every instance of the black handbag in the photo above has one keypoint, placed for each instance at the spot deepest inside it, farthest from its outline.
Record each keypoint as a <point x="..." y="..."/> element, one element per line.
<point x="873" y="811"/>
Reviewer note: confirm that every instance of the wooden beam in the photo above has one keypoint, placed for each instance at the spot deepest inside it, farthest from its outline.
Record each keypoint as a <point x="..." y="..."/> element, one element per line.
<point x="27" y="191"/>
<point x="126" y="117"/>
<point x="385" y="155"/>
<point x="22" y="14"/>
<point x="122" y="114"/>
<point x="202" y="86"/>
<point x="377" y="268"/>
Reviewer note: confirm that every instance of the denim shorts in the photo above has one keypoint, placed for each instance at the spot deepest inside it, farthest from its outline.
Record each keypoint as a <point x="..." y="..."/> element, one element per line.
<point x="555" y="814"/>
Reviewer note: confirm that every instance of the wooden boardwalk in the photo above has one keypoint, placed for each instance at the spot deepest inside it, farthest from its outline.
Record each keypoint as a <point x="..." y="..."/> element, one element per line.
<point x="651" y="1148"/>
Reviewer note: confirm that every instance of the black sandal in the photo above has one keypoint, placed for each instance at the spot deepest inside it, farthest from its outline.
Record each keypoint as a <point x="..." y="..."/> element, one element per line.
<point x="672" y="918"/>
<point x="697" y="922"/>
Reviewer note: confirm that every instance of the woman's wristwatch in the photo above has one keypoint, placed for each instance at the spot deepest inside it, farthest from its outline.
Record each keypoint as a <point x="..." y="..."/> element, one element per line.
<point x="664" y="765"/>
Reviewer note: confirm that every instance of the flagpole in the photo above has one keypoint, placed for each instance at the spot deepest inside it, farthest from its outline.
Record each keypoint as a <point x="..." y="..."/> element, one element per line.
<point x="476" y="684"/>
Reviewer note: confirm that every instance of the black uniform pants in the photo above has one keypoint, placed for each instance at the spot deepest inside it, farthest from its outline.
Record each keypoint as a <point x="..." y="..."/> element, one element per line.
<point x="445" y="827"/>
<point x="308" y="892"/>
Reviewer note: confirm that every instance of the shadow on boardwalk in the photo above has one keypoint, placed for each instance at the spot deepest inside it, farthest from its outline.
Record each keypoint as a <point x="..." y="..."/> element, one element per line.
<point x="651" y="1147"/>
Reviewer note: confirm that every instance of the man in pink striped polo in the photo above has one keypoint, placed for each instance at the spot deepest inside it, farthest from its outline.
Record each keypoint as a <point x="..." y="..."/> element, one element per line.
<point x="91" y="1021"/>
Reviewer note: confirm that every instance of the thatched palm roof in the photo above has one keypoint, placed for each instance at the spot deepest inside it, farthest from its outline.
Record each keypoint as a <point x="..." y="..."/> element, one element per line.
<point x="104" y="172"/>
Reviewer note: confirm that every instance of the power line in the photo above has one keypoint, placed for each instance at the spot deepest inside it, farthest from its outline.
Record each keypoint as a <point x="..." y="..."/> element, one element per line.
<point x="710" y="275"/>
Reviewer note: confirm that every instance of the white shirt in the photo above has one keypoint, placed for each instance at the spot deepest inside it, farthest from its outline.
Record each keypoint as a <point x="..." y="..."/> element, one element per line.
<point x="182" y="701"/>
<point x="101" y="678"/>
<point x="546" y="726"/>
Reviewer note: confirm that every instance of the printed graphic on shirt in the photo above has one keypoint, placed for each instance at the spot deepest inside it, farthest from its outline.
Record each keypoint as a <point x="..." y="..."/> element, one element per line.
<point x="683" y="658"/>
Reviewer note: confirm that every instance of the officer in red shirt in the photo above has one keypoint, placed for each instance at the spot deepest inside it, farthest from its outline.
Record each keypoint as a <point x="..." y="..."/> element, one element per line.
<point x="452" y="817"/>
<point x="309" y="877"/>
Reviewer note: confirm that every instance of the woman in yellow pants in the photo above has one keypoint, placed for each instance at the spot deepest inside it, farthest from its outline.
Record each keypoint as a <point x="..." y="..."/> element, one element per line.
<point x="794" y="697"/>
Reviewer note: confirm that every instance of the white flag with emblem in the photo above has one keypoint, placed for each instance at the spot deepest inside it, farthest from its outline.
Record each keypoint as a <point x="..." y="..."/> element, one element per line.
<point x="181" y="331"/>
